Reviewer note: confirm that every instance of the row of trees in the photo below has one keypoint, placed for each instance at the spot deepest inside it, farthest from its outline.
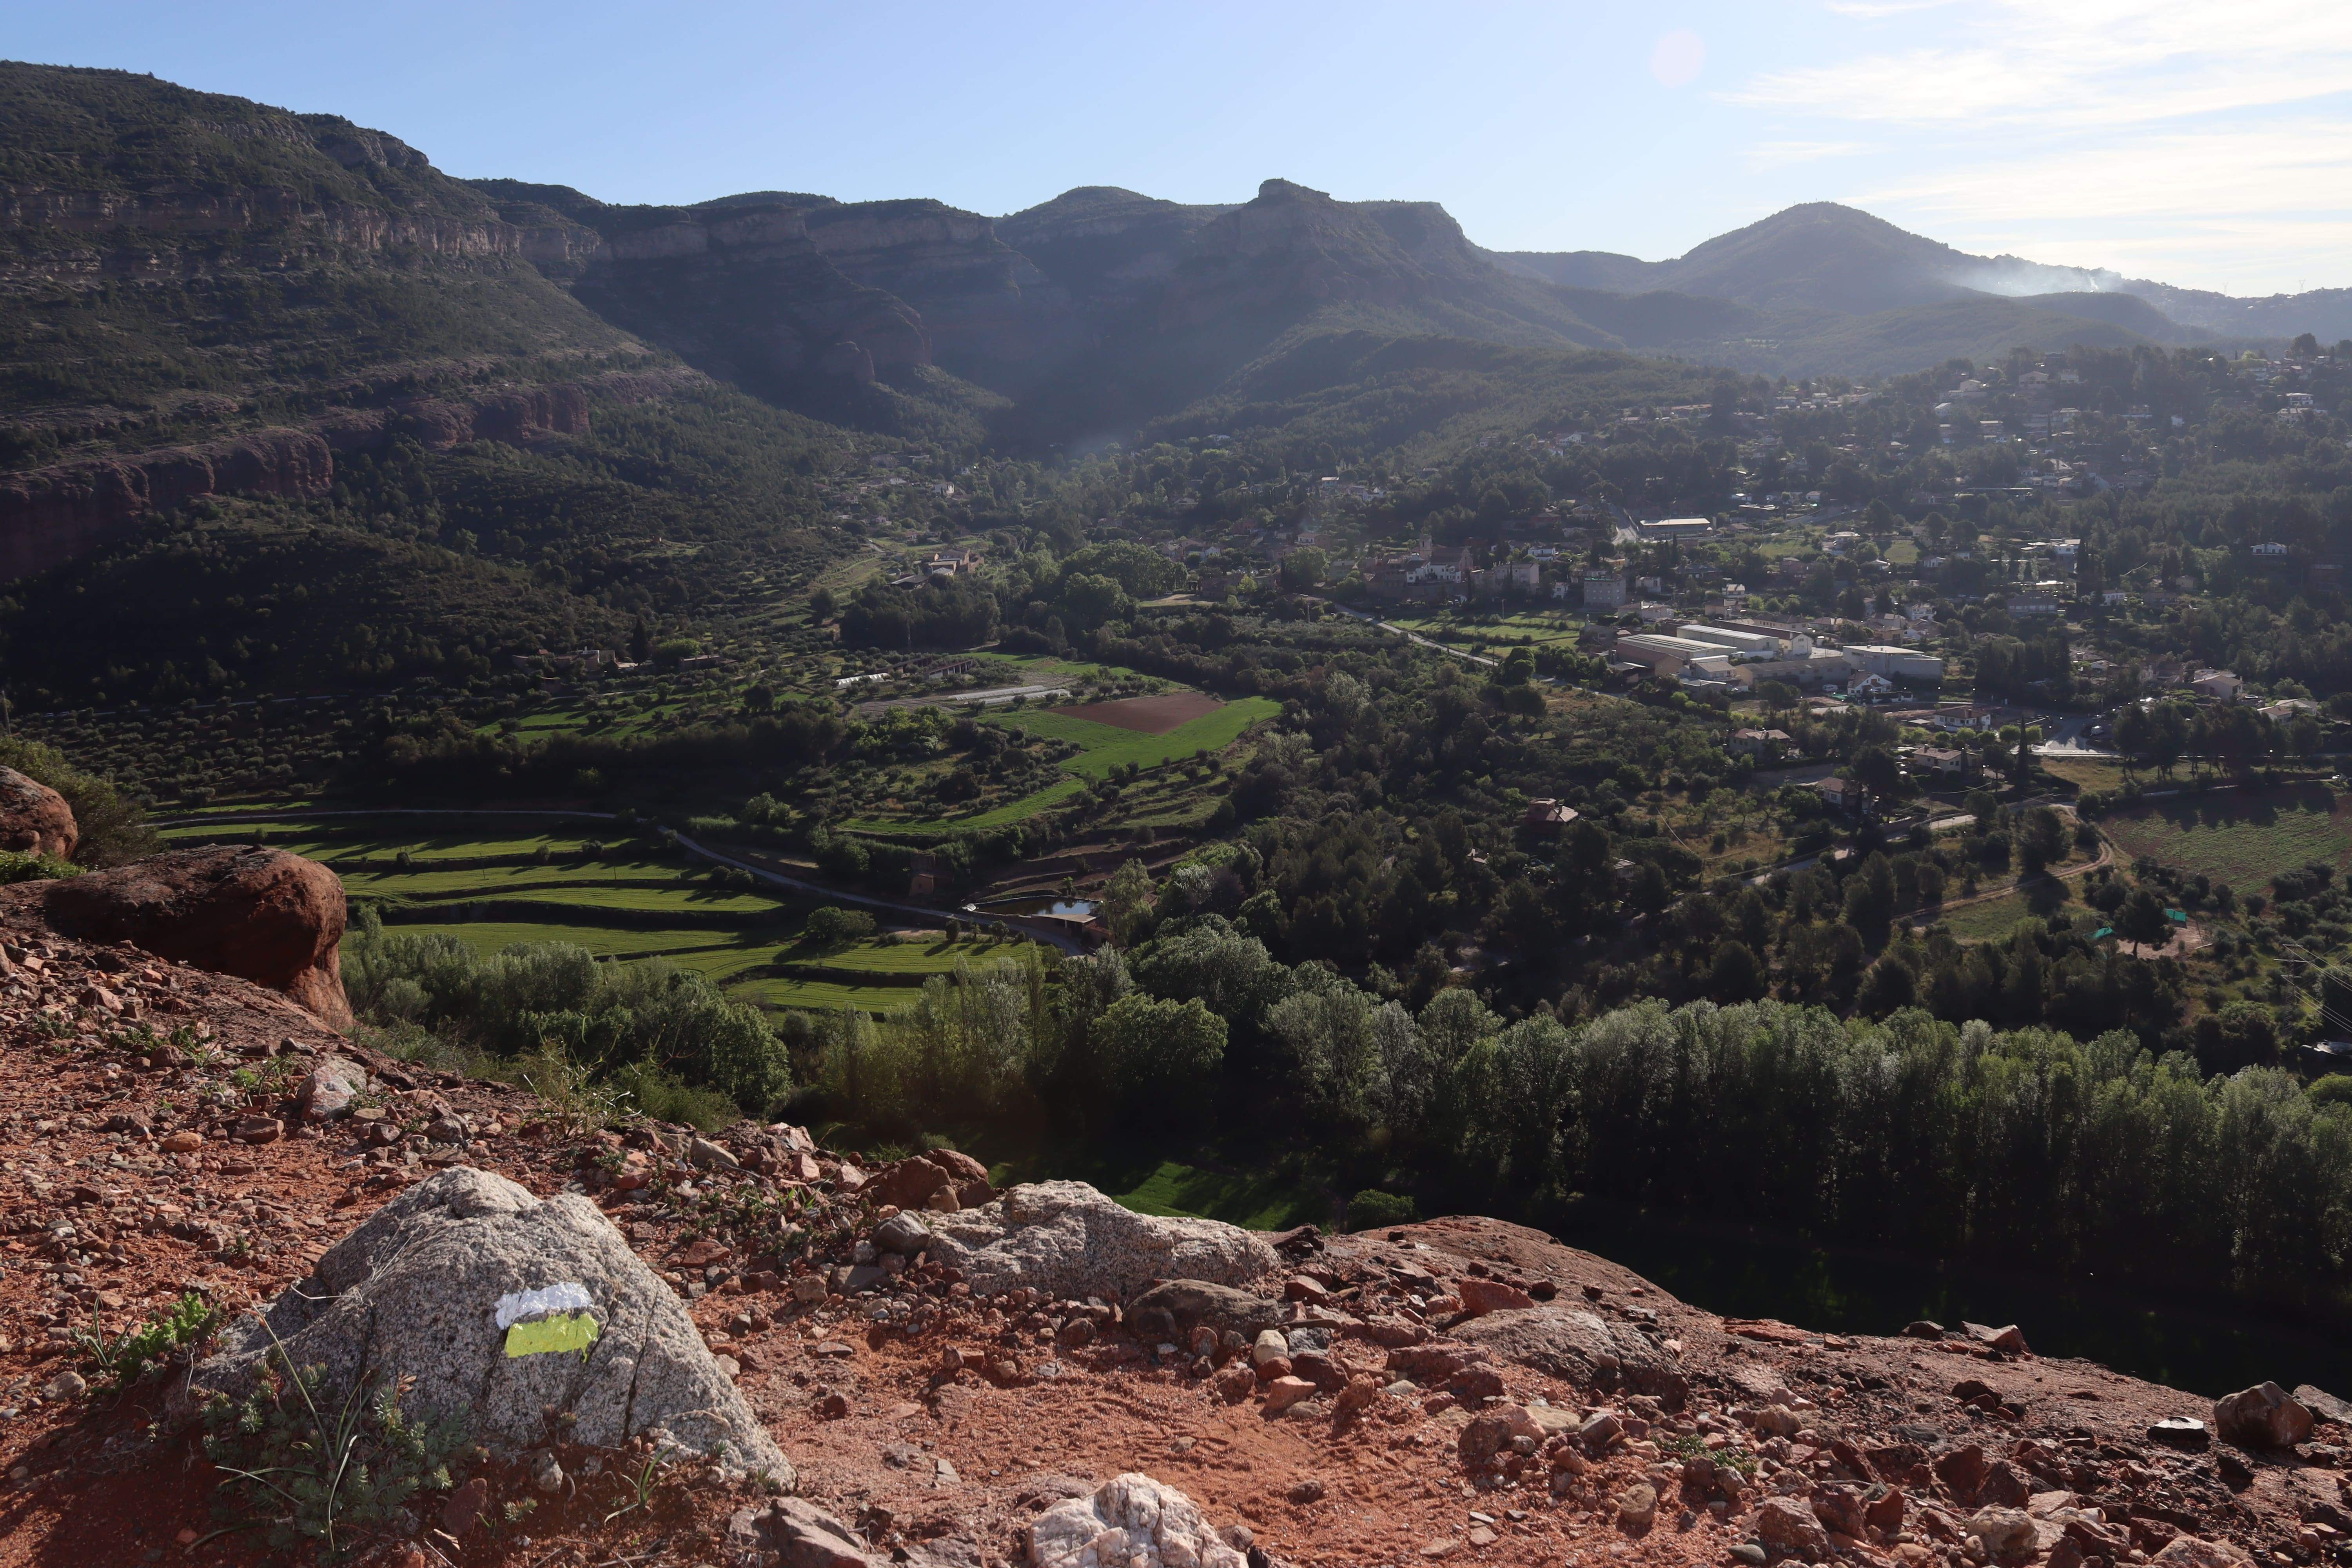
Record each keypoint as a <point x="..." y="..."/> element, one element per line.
<point x="1914" y="1131"/>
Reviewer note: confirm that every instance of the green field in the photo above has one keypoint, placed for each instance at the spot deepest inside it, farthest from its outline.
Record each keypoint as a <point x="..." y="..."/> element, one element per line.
<point x="936" y="957"/>
<point x="1536" y="628"/>
<point x="322" y="841"/>
<point x="1012" y="811"/>
<point x="2239" y="837"/>
<point x="1989" y="920"/>
<point x="779" y="992"/>
<point x="1103" y="747"/>
<point x="2088" y="772"/>
<point x="505" y="878"/>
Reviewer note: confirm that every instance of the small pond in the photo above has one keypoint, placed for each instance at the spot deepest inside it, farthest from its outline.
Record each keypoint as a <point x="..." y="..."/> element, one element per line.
<point x="1074" y="908"/>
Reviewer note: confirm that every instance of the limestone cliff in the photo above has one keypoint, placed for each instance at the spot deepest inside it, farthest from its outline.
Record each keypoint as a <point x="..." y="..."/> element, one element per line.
<point x="284" y="288"/>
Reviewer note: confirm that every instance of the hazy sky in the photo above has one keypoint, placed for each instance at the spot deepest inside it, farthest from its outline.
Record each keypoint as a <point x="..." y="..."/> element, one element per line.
<point x="2201" y="143"/>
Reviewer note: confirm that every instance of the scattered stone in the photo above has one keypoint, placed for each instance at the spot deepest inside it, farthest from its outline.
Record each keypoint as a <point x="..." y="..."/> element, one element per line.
<point x="2190" y="1551"/>
<point x="184" y="1141"/>
<point x="705" y="1156"/>
<point x="1307" y="1491"/>
<point x="1924" y="1330"/>
<point x="795" y="1530"/>
<point x="2005" y="1534"/>
<point x="257" y="1130"/>
<point x="1070" y="1240"/>
<point x="465" y="1506"/>
<point x="1787" y="1528"/>
<point x="1572" y="1344"/>
<point x="1190" y="1302"/>
<point x="2264" y="1416"/>
<point x="66" y="1384"/>
<point x="1285" y="1391"/>
<point x="1637" y="1508"/>
<point x="1133" y="1521"/>
<point x="1271" y="1346"/>
<point x="1490" y="1432"/>
<point x="2323" y="1405"/>
<point x="902" y="1233"/>
<point x="2180" y="1432"/>
<point x="2011" y="1339"/>
<point x="331" y="1089"/>
<point x="1480" y="1297"/>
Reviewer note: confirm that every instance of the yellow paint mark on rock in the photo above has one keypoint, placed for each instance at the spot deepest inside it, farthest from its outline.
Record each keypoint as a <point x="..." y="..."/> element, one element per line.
<point x="564" y="1331"/>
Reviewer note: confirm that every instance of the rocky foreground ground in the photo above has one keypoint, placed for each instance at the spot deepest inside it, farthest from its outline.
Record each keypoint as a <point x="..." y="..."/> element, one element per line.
<point x="958" y="1376"/>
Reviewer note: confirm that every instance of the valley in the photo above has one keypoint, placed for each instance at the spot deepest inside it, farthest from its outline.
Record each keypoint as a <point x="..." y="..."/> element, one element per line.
<point x="1223" y="735"/>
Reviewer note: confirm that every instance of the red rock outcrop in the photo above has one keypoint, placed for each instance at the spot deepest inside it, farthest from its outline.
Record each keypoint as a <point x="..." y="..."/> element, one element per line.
<point x="48" y="516"/>
<point x="51" y="515"/>
<point x="34" y="816"/>
<point x="261" y="914"/>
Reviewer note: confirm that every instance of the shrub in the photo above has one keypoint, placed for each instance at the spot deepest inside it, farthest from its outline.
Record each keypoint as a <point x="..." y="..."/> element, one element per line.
<point x="833" y="926"/>
<point x="336" y="1472"/>
<point x="112" y="827"/>
<point x="2335" y="1088"/>
<point x="20" y="866"/>
<point x="1372" y="1208"/>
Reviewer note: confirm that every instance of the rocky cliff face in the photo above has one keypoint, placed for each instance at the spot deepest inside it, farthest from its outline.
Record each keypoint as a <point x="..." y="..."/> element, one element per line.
<point x="1112" y="248"/>
<point x="235" y="245"/>
<point x="743" y="293"/>
<point x="989" y="311"/>
<point x="50" y="515"/>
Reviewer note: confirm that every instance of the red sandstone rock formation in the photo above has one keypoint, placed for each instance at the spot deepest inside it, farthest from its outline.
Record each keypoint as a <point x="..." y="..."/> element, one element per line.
<point x="34" y="816"/>
<point x="265" y="915"/>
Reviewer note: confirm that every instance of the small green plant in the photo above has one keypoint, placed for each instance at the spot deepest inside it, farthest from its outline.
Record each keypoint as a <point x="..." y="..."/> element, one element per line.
<point x="642" y="1484"/>
<point x="127" y="1357"/>
<point x="314" y="1469"/>
<point x="17" y="865"/>
<point x="574" y="1103"/>
<point x="1687" y="1446"/>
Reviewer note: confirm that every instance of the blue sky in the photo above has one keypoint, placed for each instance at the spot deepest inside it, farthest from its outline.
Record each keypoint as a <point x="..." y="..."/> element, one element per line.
<point x="2203" y="144"/>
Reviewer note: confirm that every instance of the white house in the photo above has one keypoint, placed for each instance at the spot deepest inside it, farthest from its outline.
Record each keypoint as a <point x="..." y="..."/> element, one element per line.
<point x="2220" y="685"/>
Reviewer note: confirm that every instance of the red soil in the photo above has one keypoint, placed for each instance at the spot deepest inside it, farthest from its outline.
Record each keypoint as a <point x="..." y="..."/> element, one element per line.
<point x="1149" y="715"/>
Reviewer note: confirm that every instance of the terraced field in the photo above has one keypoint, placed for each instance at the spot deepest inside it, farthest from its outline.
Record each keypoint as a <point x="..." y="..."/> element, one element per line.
<point x="1154" y="801"/>
<point x="506" y="887"/>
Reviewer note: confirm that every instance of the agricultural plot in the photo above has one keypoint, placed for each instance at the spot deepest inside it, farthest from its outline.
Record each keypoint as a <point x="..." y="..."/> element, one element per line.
<point x="1103" y="747"/>
<point x="939" y="956"/>
<point x="1993" y="918"/>
<point x="786" y="992"/>
<point x="705" y="952"/>
<point x="1534" y="628"/>
<point x="2239" y="837"/>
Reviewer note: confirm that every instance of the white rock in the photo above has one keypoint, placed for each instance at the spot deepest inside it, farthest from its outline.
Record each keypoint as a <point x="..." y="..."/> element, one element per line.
<point x="417" y="1290"/>
<point x="1132" y="1521"/>
<point x="1067" y="1239"/>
